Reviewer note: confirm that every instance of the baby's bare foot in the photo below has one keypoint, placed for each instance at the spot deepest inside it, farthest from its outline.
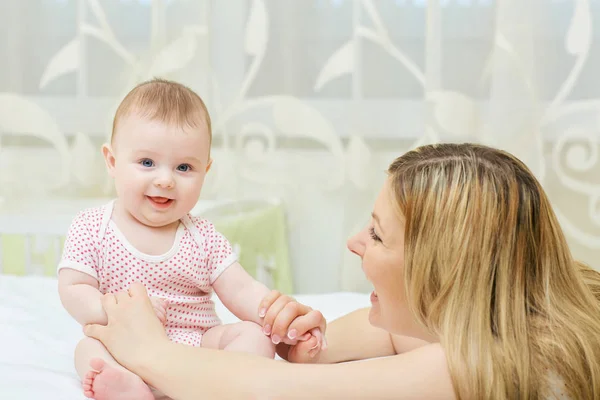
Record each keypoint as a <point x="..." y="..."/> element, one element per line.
<point x="108" y="383"/>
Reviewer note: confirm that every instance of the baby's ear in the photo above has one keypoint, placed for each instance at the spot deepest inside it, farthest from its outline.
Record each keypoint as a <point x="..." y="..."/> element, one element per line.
<point x="109" y="158"/>
<point x="209" y="165"/>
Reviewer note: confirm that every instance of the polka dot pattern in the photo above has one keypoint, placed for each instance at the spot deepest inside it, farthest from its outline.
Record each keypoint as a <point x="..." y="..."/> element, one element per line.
<point x="80" y="248"/>
<point x="184" y="278"/>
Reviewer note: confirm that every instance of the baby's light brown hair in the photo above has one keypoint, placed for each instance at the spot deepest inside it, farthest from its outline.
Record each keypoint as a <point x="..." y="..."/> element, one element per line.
<point x="165" y="101"/>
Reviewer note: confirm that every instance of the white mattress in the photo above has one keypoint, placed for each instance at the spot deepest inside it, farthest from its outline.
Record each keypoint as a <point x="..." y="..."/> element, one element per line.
<point x="37" y="337"/>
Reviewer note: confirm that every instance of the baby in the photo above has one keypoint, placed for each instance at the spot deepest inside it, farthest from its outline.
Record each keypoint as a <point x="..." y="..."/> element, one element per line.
<point x="158" y="157"/>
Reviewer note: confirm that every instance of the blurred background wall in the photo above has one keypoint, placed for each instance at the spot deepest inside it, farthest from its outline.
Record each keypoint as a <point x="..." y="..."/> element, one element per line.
<point x="310" y="101"/>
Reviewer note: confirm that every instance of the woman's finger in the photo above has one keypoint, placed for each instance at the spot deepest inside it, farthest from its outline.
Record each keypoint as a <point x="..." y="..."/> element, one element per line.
<point x="162" y="314"/>
<point x="163" y="310"/>
<point x="158" y="308"/>
<point x="304" y="338"/>
<point x="293" y="342"/>
<point x="122" y="297"/>
<point x="283" y="320"/>
<point x="137" y="289"/>
<point x="109" y="301"/>
<point x="266" y="302"/>
<point x="273" y="312"/>
<point x="157" y="302"/>
<point x="304" y="323"/>
<point x="95" y="331"/>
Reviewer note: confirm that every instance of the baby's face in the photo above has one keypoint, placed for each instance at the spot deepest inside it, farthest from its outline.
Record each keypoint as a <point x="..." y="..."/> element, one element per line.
<point x="158" y="169"/>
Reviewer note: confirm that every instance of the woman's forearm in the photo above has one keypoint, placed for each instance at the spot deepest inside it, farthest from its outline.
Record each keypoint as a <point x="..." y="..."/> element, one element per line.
<point x="419" y="374"/>
<point x="184" y="372"/>
<point x="352" y="337"/>
<point x="187" y="373"/>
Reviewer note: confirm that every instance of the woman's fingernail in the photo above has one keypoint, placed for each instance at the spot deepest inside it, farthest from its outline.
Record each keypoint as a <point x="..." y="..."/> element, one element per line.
<point x="292" y="334"/>
<point x="267" y="329"/>
<point x="262" y="312"/>
<point x="315" y="346"/>
<point x="275" y="339"/>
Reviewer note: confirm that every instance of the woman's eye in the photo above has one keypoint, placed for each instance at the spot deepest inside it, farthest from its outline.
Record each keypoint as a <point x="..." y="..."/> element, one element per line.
<point x="184" y="168"/>
<point x="374" y="235"/>
<point x="146" y="162"/>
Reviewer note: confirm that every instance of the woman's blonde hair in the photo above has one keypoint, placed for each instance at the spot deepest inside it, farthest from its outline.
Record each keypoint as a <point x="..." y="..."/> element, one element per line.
<point x="488" y="269"/>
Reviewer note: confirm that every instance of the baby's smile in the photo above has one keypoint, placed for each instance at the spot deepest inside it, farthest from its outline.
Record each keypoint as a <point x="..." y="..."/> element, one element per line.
<point x="160" y="203"/>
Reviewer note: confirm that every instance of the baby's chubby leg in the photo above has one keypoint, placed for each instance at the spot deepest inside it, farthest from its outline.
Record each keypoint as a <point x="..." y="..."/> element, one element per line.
<point x="103" y="378"/>
<point x="245" y="337"/>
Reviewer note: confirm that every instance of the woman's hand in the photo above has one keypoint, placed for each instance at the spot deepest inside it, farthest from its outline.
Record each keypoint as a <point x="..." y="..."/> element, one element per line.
<point x="133" y="329"/>
<point x="298" y="330"/>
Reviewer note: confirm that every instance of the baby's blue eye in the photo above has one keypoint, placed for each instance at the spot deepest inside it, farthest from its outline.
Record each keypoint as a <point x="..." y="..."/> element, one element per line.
<point x="146" y="162"/>
<point x="184" y="168"/>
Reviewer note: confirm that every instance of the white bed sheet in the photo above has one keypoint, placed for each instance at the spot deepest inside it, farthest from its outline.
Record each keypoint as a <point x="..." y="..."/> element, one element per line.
<point x="37" y="337"/>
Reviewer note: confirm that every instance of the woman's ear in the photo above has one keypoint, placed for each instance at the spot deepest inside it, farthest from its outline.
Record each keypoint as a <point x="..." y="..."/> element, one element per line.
<point x="109" y="159"/>
<point x="209" y="165"/>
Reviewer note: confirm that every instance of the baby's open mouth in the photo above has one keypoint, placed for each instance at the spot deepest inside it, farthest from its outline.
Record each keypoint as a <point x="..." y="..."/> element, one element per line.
<point x="160" y="202"/>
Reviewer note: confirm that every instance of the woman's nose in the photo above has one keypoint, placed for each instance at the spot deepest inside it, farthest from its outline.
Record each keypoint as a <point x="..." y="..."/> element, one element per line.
<point x="356" y="244"/>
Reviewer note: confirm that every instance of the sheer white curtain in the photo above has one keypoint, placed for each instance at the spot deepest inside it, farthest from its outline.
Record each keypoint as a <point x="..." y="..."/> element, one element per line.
<point x="310" y="100"/>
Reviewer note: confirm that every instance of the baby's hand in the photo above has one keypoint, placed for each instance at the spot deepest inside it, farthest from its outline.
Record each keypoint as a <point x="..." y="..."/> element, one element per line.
<point x="298" y="330"/>
<point x="308" y="351"/>
<point x="160" y="308"/>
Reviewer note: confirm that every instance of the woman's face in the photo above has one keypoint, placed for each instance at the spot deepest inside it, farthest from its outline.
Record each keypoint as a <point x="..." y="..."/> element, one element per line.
<point x="381" y="247"/>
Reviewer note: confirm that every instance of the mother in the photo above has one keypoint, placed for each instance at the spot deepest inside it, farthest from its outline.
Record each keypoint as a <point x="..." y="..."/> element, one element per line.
<point x="476" y="292"/>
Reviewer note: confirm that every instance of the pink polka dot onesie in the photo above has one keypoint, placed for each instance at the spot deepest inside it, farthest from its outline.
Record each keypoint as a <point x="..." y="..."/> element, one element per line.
<point x="184" y="275"/>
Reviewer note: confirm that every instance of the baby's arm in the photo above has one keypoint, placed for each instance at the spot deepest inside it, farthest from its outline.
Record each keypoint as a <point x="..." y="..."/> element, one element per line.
<point x="240" y="293"/>
<point x="78" y="271"/>
<point x="80" y="296"/>
<point x="243" y="296"/>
